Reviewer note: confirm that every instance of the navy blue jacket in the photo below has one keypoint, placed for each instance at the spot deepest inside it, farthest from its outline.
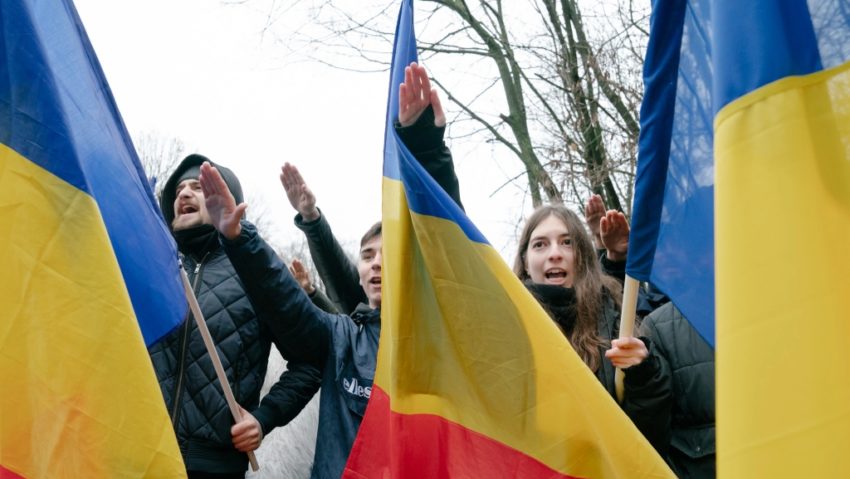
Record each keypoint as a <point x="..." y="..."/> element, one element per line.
<point x="346" y="345"/>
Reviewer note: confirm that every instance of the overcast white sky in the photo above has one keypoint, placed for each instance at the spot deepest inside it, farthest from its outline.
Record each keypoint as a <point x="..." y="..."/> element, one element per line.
<point x="202" y="71"/>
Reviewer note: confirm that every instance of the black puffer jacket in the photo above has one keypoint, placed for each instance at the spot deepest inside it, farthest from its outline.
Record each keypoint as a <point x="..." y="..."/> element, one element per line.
<point x="691" y="360"/>
<point x="201" y="417"/>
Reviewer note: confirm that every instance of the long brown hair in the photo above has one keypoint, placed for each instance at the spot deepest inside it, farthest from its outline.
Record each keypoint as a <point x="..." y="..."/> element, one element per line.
<point x="590" y="283"/>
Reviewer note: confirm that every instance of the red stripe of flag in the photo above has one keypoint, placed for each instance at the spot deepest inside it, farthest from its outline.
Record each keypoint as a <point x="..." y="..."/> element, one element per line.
<point x="7" y="474"/>
<point x="460" y="452"/>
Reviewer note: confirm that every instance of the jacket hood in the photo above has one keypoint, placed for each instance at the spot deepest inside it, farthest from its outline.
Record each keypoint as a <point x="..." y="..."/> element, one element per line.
<point x="169" y="193"/>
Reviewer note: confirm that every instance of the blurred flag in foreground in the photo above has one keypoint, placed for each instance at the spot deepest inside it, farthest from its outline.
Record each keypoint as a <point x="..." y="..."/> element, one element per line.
<point x="473" y="378"/>
<point x="90" y="272"/>
<point x="744" y="176"/>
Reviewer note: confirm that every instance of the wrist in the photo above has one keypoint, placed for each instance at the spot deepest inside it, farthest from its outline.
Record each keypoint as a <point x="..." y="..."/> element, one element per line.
<point x="310" y="214"/>
<point x="617" y="256"/>
<point x="233" y="232"/>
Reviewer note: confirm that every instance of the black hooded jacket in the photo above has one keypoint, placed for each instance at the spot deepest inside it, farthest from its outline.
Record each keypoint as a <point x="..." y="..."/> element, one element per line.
<point x="201" y="417"/>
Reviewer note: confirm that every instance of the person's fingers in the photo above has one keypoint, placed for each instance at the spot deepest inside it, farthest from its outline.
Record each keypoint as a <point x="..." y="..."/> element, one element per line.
<point x="424" y="81"/>
<point x="408" y="83"/>
<point x="604" y="225"/>
<point x="402" y="97"/>
<point x="439" y="113"/>
<point x="306" y="191"/>
<point x="621" y="221"/>
<point x="286" y="174"/>
<point x="297" y="266"/>
<point x="213" y="179"/>
<point x="297" y="179"/>
<point x="416" y="82"/>
<point x="240" y="209"/>
<point x="632" y="343"/>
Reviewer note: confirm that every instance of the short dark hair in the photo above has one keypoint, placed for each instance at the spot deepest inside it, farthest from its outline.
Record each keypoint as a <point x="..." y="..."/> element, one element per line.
<point x="374" y="231"/>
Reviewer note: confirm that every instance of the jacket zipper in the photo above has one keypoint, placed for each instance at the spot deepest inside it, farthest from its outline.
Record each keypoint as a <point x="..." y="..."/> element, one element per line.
<point x="175" y="413"/>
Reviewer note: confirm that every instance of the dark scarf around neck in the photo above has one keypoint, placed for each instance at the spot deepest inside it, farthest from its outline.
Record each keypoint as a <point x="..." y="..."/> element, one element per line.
<point x="558" y="301"/>
<point x="196" y="241"/>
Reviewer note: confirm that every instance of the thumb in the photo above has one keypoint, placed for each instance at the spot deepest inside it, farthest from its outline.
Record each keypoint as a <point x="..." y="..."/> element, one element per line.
<point x="439" y="114"/>
<point x="240" y="209"/>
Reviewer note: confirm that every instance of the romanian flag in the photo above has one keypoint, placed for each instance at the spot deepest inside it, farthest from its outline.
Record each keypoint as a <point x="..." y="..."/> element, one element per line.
<point x="473" y="378"/>
<point x="746" y="134"/>
<point x="89" y="270"/>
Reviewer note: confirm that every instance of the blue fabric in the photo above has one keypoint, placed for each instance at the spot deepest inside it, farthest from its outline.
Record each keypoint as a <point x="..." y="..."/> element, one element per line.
<point x="660" y="73"/>
<point x="725" y="49"/>
<point x="424" y="195"/>
<point x="761" y="41"/>
<point x="56" y="110"/>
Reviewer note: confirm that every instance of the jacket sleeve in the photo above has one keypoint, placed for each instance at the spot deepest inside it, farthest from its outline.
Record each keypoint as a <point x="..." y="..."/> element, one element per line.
<point x="338" y="272"/>
<point x="617" y="269"/>
<point x="288" y="396"/>
<point x="322" y="302"/>
<point x="425" y="141"/>
<point x="648" y="398"/>
<point x="301" y="331"/>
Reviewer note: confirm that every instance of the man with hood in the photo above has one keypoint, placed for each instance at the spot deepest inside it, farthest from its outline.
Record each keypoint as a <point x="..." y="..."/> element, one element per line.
<point x="347" y="345"/>
<point x="211" y="444"/>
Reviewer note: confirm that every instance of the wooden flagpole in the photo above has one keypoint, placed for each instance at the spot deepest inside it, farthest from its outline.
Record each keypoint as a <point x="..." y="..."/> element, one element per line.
<point x="627" y="325"/>
<point x="213" y="352"/>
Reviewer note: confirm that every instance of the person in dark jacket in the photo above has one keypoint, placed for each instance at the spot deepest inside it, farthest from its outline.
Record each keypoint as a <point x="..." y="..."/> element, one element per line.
<point x="211" y="444"/>
<point x="346" y="344"/>
<point x="421" y="126"/>
<point x="691" y="360"/>
<point x="558" y="263"/>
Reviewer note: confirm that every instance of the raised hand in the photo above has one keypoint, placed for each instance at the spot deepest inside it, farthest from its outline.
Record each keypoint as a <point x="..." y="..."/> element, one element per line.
<point x="300" y="273"/>
<point x="222" y="208"/>
<point x="627" y="352"/>
<point x="614" y="232"/>
<point x="593" y="212"/>
<point x="414" y="96"/>
<point x="300" y="197"/>
<point x="247" y="435"/>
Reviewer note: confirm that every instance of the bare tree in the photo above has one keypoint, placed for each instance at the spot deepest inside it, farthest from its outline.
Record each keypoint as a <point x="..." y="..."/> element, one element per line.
<point x="159" y="156"/>
<point x="555" y="82"/>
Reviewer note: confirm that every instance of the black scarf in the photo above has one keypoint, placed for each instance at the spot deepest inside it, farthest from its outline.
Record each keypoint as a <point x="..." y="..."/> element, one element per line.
<point x="197" y="240"/>
<point x="558" y="301"/>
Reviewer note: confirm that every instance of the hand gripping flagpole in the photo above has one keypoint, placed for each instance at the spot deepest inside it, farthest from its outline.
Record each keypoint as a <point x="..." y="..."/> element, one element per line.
<point x="627" y="326"/>
<point x="213" y="352"/>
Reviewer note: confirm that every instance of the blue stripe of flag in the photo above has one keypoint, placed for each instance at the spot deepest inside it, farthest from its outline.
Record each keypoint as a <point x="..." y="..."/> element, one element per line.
<point x="56" y="109"/>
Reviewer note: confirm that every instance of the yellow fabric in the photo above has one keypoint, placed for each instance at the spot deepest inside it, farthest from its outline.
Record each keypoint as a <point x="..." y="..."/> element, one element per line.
<point x="79" y="395"/>
<point x="782" y="234"/>
<point x="463" y="339"/>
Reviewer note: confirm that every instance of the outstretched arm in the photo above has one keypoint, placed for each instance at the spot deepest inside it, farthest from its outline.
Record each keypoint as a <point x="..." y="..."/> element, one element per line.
<point x="421" y="126"/>
<point x="300" y="273"/>
<point x="298" y="327"/>
<point x="594" y="210"/>
<point x="299" y="194"/>
<point x="415" y="95"/>
<point x="224" y="213"/>
<point x="335" y="268"/>
<point x="614" y="231"/>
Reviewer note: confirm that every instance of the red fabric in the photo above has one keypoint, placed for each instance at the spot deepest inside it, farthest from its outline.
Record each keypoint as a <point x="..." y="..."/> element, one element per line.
<point x="430" y="446"/>
<point x="7" y="474"/>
